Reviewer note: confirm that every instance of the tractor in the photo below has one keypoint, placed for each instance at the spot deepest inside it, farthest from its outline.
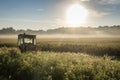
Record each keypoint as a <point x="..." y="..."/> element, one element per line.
<point x="27" y="42"/>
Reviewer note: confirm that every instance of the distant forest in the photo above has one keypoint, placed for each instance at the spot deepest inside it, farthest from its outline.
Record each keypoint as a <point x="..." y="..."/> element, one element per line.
<point x="107" y="30"/>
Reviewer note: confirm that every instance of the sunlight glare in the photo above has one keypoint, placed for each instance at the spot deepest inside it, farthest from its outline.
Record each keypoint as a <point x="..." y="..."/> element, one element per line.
<point x="76" y="15"/>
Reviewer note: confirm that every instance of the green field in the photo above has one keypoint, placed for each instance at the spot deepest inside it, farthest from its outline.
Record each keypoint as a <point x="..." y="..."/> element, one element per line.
<point x="56" y="66"/>
<point x="61" y="59"/>
<point x="92" y="46"/>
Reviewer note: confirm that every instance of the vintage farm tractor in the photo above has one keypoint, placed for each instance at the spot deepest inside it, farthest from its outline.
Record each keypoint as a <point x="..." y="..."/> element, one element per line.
<point x="27" y="42"/>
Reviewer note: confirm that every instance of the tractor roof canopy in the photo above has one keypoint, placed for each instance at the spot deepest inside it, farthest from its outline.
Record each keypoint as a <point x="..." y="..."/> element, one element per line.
<point x="26" y="36"/>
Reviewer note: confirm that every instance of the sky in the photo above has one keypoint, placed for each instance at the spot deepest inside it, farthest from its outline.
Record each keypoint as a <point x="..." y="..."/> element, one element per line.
<point x="49" y="14"/>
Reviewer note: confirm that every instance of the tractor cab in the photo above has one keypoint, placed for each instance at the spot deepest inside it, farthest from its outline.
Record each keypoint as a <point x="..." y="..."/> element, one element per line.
<point x="26" y="42"/>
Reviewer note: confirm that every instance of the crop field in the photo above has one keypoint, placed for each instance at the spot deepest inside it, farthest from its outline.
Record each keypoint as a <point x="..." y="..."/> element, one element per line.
<point x="92" y="46"/>
<point x="61" y="59"/>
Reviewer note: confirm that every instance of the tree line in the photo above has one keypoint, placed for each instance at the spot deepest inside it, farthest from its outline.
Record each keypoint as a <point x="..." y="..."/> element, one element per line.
<point x="110" y="30"/>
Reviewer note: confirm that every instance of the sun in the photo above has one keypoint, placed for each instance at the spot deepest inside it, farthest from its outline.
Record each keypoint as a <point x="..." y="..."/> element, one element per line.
<point x="76" y="15"/>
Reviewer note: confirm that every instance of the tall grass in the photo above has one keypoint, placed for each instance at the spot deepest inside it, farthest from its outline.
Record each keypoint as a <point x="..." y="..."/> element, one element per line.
<point x="56" y="66"/>
<point x="92" y="46"/>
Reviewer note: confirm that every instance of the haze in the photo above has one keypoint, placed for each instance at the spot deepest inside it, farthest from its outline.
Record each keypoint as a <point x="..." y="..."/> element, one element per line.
<point x="49" y="14"/>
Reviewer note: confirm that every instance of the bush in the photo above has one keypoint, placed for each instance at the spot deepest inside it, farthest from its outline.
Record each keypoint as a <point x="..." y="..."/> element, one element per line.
<point x="56" y="66"/>
<point x="12" y="66"/>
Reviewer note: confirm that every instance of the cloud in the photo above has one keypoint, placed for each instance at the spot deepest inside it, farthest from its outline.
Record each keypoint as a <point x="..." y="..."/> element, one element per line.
<point x="101" y="8"/>
<point x="40" y="9"/>
<point x="79" y="0"/>
<point x="45" y="21"/>
<point x="18" y="20"/>
<point x="94" y="13"/>
<point x="84" y="0"/>
<point x="105" y="2"/>
<point x="31" y="23"/>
